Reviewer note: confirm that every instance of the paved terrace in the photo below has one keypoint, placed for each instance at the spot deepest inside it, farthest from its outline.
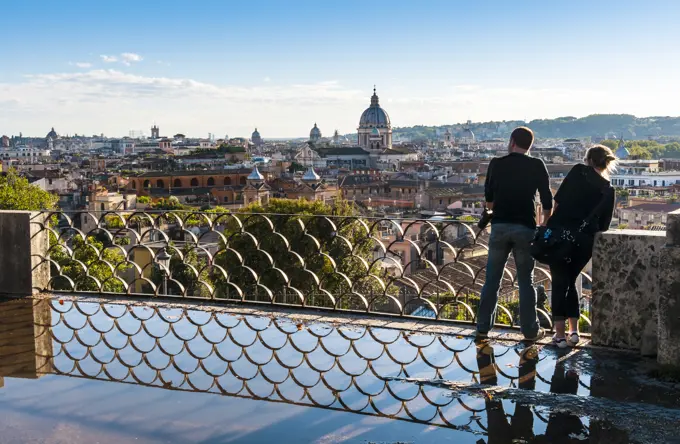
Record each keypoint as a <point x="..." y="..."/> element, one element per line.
<point x="83" y="369"/>
<point x="162" y="327"/>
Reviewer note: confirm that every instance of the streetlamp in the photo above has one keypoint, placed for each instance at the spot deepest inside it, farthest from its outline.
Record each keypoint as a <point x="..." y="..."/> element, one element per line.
<point x="163" y="259"/>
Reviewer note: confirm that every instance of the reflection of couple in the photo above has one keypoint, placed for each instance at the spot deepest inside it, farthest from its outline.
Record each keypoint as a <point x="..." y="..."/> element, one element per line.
<point x="562" y="427"/>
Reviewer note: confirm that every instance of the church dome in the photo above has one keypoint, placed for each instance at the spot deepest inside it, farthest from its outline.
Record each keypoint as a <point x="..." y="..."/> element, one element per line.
<point x="310" y="175"/>
<point x="256" y="134"/>
<point x="52" y="134"/>
<point x="622" y="153"/>
<point x="467" y="134"/>
<point x="315" y="133"/>
<point x="374" y="116"/>
<point x="255" y="174"/>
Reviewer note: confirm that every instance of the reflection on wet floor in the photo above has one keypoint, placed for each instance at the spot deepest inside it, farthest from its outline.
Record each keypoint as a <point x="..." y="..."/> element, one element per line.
<point x="280" y="380"/>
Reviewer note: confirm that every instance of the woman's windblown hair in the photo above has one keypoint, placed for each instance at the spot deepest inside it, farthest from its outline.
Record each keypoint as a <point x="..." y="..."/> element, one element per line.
<point x="603" y="159"/>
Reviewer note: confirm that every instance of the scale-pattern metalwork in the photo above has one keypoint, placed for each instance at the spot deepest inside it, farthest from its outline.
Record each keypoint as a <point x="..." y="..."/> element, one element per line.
<point x="347" y="367"/>
<point x="420" y="268"/>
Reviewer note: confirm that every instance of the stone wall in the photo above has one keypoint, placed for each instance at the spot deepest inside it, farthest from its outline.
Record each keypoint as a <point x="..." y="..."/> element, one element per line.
<point x="22" y="241"/>
<point x="669" y="298"/>
<point x="626" y="288"/>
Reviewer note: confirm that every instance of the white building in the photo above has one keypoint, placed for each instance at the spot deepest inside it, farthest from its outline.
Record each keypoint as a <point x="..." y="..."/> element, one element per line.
<point x="25" y="155"/>
<point x="637" y="173"/>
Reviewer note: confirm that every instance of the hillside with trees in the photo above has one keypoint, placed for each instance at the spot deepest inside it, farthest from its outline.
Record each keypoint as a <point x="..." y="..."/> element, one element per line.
<point x="596" y="125"/>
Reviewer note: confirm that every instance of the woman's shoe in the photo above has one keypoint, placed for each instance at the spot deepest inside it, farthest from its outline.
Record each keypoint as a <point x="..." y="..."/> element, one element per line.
<point x="574" y="338"/>
<point x="559" y="342"/>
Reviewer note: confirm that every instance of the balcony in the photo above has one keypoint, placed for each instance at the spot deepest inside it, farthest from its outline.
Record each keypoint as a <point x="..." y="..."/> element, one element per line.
<point x="286" y="324"/>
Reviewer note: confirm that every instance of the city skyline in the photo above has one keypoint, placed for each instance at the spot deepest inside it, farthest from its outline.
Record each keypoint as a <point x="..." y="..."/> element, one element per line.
<point x="227" y="68"/>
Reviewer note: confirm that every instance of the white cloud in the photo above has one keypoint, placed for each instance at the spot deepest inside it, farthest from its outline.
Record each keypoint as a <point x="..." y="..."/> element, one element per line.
<point x="113" y="102"/>
<point x="267" y="79"/>
<point x="81" y="64"/>
<point x="127" y="58"/>
<point x="108" y="59"/>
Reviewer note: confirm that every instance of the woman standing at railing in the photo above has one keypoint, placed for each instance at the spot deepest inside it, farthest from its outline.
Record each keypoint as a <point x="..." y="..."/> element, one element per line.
<point x="585" y="204"/>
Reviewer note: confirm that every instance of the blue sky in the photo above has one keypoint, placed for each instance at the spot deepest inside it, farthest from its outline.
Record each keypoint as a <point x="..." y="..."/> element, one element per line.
<point x="226" y="67"/>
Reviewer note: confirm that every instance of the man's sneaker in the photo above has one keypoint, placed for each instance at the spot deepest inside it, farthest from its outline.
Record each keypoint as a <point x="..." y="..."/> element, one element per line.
<point x="481" y="337"/>
<point x="574" y="338"/>
<point x="559" y="342"/>
<point x="539" y="335"/>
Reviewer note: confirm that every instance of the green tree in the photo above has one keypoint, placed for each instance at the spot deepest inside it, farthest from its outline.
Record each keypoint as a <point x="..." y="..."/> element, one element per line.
<point x="171" y="203"/>
<point x="622" y="193"/>
<point x="16" y="193"/>
<point x="294" y="166"/>
<point x="672" y="150"/>
<point x="92" y="260"/>
<point x="611" y="143"/>
<point x="639" y="152"/>
<point x="337" y="250"/>
<point x="467" y="218"/>
<point x="144" y="199"/>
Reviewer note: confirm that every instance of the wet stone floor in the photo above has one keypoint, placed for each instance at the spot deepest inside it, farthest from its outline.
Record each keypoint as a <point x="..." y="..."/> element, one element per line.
<point x="106" y="371"/>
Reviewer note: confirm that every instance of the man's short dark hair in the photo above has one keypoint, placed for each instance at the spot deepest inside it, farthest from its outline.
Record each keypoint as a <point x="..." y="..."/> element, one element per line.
<point x="523" y="137"/>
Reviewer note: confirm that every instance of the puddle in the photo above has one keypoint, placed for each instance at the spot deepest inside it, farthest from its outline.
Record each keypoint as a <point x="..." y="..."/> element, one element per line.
<point x="83" y="372"/>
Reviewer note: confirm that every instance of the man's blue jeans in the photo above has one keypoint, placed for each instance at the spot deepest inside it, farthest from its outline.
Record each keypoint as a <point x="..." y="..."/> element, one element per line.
<point x="506" y="238"/>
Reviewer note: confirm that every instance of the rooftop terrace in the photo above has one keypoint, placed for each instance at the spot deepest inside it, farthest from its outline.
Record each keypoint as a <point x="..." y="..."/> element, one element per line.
<point x="199" y="327"/>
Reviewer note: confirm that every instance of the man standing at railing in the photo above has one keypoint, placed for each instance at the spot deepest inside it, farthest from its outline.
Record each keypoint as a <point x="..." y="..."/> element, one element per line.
<point x="510" y="190"/>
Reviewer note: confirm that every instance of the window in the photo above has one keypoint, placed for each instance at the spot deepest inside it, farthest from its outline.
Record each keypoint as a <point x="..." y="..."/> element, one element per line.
<point x="440" y="201"/>
<point x="177" y="183"/>
<point x="226" y="199"/>
<point x="242" y="180"/>
<point x="211" y="182"/>
<point x="134" y="185"/>
<point x="194" y="182"/>
<point x="160" y="183"/>
<point x="49" y="181"/>
<point x="147" y="184"/>
<point x="227" y="180"/>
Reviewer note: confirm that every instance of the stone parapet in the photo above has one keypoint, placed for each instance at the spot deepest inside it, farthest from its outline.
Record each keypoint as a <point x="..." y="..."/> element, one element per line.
<point x="22" y="241"/>
<point x="669" y="297"/>
<point x="626" y="288"/>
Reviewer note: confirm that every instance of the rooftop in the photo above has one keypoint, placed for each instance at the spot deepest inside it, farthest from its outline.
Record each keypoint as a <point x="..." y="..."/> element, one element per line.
<point x="661" y="207"/>
<point x="195" y="173"/>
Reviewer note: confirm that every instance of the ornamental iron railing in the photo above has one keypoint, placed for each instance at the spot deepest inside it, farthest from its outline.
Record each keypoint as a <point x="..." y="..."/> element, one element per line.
<point x="388" y="266"/>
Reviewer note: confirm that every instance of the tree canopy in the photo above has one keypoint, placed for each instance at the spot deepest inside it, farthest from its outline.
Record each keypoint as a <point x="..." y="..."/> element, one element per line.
<point x="16" y="193"/>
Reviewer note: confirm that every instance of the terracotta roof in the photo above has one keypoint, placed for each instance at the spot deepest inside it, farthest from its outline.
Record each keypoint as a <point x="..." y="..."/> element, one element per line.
<point x="177" y="173"/>
<point x="342" y="151"/>
<point x="655" y="207"/>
